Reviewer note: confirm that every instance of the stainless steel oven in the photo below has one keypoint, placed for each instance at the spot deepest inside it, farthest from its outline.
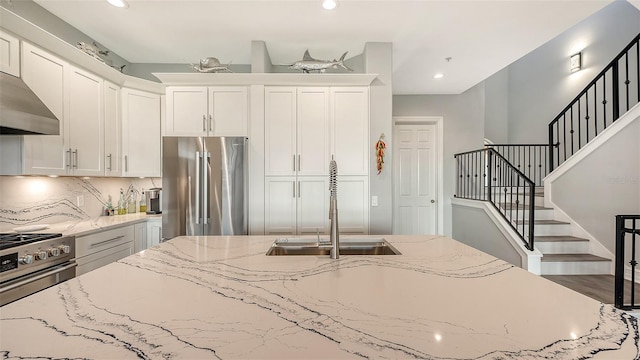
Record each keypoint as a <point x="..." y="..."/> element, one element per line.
<point x="33" y="262"/>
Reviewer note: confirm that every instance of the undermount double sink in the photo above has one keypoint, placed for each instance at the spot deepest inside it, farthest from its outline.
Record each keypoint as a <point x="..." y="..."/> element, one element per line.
<point x="322" y="247"/>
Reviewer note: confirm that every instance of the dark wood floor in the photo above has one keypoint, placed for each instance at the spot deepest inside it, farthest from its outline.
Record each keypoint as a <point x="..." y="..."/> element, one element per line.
<point x="599" y="287"/>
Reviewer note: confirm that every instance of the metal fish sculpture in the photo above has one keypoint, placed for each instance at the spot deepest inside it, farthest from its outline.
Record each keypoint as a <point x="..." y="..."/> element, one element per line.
<point x="308" y="64"/>
<point x="210" y="64"/>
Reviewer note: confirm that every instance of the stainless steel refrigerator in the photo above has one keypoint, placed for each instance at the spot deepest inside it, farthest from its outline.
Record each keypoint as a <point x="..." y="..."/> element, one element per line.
<point x="204" y="186"/>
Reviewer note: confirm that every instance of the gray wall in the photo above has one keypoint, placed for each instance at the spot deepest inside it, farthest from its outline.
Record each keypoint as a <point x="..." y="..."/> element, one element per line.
<point x="496" y="110"/>
<point x="472" y="226"/>
<point x="378" y="60"/>
<point x="594" y="198"/>
<point x="463" y="129"/>
<point x="37" y="15"/>
<point x="540" y="84"/>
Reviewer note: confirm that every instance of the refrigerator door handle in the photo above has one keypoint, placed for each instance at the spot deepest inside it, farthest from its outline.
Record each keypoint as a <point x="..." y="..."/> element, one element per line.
<point x="198" y="164"/>
<point x="205" y="187"/>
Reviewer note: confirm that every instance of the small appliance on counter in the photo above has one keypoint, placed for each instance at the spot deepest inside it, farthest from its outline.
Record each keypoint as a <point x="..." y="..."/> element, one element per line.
<point x="154" y="200"/>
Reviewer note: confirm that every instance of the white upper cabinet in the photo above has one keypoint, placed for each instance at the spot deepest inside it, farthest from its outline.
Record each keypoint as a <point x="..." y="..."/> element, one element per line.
<point x="9" y="54"/>
<point x="207" y="111"/>
<point x="296" y="131"/>
<point x="350" y="129"/>
<point x="45" y="74"/>
<point x="141" y="133"/>
<point x="86" y="124"/>
<point x="112" y="130"/>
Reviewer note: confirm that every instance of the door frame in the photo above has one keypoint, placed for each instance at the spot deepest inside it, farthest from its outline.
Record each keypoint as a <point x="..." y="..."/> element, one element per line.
<point x="425" y="120"/>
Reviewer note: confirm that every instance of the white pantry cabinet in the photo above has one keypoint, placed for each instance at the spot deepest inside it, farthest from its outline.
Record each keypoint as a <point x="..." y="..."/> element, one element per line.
<point x="9" y="54"/>
<point x="297" y="131"/>
<point x="350" y="129"/>
<point x="296" y="205"/>
<point x="141" y="133"/>
<point x="207" y="111"/>
<point x="353" y="204"/>
<point x="112" y="130"/>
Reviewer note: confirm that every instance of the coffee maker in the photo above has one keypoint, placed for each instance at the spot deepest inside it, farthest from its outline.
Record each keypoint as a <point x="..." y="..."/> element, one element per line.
<point x="154" y="200"/>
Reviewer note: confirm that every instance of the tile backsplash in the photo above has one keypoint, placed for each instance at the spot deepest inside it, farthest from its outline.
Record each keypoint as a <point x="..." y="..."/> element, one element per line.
<point x="28" y="200"/>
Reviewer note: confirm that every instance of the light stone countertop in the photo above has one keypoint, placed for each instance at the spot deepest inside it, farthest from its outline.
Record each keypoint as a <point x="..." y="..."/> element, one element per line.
<point x="221" y="297"/>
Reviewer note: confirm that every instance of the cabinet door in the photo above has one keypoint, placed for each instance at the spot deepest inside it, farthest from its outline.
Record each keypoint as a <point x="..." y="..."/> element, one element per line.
<point x="112" y="130"/>
<point x="228" y="111"/>
<point x="313" y="144"/>
<point x="350" y="129"/>
<point x="45" y="75"/>
<point x="140" y="237"/>
<point x="353" y="205"/>
<point x="313" y="205"/>
<point x="280" y="205"/>
<point x="141" y="133"/>
<point x="9" y="54"/>
<point x="154" y="233"/>
<point x="86" y="124"/>
<point x="187" y="113"/>
<point x="280" y="131"/>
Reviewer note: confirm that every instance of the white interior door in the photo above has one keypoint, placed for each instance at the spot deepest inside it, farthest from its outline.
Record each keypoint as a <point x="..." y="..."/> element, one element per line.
<point x="415" y="189"/>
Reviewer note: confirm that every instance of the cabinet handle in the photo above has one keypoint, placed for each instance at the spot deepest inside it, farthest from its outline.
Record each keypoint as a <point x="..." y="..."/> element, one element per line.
<point x="75" y="158"/>
<point x="294" y="163"/>
<point x="298" y="188"/>
<point x="294" y="189"/>
<point x="107" y="241"/>
<point x="204" y="123"/>
<point x="68" y="158"/>
<point x="126" y="163"/>
<point x="109" y="156"/>
<point x="211" y="123"/>
<point x="298" y="162"/>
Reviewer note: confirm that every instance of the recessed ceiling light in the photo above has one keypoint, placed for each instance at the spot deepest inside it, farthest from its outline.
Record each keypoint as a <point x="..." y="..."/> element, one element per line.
<point x="119" y="3"/>
<point x="329" y="4"/>
<point x="438" y="76"/>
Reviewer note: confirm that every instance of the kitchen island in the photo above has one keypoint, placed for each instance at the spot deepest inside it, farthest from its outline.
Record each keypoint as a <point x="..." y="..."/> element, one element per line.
<point x="221" y="297"/>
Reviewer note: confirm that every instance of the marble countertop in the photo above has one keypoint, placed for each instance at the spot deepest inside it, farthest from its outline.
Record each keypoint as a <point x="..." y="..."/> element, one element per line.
<point x="221" y="297"/>
<point x="101" y="223"/>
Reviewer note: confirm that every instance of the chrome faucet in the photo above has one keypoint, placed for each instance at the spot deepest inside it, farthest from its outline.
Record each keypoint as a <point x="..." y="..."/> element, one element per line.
<point x="334" y="236"/>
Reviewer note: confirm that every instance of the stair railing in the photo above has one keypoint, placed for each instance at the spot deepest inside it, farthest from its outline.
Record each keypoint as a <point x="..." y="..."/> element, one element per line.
<point x="487" y="176"/>
<point x="627" y="229"/>
<point x="530" y="159"/>
<point x="610" y="94"/>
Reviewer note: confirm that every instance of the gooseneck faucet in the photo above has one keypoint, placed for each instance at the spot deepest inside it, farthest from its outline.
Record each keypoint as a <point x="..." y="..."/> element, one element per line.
<point x="333" y="209"/>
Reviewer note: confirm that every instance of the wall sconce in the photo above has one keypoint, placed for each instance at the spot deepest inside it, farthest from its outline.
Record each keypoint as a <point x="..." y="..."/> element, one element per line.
<point x="576" y="62"/>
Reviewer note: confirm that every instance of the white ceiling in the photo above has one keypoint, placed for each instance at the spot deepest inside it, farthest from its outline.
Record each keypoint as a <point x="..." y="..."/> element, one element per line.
<point x="481" y="37"/>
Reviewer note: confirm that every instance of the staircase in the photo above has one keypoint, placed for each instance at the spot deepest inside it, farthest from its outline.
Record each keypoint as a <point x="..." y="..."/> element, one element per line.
<point x="563" y="253"/>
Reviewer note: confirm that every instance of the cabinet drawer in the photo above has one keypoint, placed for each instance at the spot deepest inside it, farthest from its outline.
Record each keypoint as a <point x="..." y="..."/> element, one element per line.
<point x="102" y="258"/>
<point x="90" y="244"/>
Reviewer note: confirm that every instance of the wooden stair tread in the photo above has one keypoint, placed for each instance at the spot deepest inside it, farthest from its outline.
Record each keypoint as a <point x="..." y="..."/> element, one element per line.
<point x="557" y="238"/>
<point x="572" y="257"/>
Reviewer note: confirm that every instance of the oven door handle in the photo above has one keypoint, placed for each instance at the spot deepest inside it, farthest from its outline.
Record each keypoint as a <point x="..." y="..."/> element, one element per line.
<point x="38" y="277"/>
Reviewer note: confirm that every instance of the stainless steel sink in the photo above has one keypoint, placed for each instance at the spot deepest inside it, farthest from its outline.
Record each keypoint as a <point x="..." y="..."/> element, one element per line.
<point x="348" y="246"/>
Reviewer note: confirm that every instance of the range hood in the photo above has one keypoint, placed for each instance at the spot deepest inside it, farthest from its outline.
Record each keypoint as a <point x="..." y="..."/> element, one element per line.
<point x="22" y="112"/>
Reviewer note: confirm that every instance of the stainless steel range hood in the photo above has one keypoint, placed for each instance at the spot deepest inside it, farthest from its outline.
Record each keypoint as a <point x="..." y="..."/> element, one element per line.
<point x="22" y="112"/>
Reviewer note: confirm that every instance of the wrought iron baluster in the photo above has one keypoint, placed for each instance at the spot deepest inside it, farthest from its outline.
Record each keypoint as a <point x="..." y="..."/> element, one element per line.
<point x="626" y="78"/>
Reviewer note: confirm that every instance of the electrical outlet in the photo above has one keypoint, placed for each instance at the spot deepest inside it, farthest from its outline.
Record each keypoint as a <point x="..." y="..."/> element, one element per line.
<point x="374" y="201"/>
<point x="80" y="200"/>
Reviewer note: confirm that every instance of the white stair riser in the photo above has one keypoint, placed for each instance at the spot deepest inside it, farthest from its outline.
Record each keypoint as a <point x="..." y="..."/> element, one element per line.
<point x="575" y="268"/>
<point x="563" y="247"/>
<point x="553" y="230"/>
<point x="539" y="214"/>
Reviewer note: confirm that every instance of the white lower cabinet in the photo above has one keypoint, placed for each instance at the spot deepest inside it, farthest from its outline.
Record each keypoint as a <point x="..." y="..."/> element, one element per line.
<point x="97" y="250"/>
<point x="353" y="204"/>
<point x="154" y="232"/>
<point x="296" y="205"/>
